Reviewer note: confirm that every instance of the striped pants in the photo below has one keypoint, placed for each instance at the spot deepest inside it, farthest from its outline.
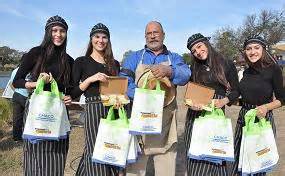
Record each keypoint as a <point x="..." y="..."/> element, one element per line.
<point x="45" y="158"/>
<point x="238" y="136"/>
<point x="200" y="167"/>
<point x="95" y="111"/>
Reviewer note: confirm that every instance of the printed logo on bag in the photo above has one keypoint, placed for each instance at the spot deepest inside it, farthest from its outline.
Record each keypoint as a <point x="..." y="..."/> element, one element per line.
<point x="148" y="115"/>
<point x="42" y="131"/>
<point x="218" y="151"/>
<point x="263" y="151"/>
<point x="113" y="146"/>
<point x="148" y="128"/>
<point x="108" y="157"/>
<point x="220" y="139"/>
<point x="266" y="163"/>
<point x="45" y="117"/>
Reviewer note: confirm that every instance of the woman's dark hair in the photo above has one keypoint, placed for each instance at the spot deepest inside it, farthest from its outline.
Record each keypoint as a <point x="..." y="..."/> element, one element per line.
<point x="266" y="60"/>
<point x="49" y="50"/>
<point x="108" y="56"/>
<point x="216" y="63"/>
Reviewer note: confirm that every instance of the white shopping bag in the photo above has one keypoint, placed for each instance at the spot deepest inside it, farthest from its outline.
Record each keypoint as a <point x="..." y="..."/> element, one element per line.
<point x="45" y="113"/>
<point x="147" y="110"/>
<point x="8" y="92"/>
<point x="197" y="145"/>
<point x="241" y="153"/>
<point x="65" y="125"/>
<point x="220" y="139"/>
<point x="113" y="140"/>
<point x="133" y="153"/>
<point x="260" y="145"/>
<point x="212" y="138"/>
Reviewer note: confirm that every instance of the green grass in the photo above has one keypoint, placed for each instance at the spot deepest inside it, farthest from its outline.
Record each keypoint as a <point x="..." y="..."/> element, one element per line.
<point x="5" y="110"/>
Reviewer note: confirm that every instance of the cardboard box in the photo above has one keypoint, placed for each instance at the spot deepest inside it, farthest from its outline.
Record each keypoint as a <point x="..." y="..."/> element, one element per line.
<point x="115" y="85"/>
<point x="199" y="94"/>
<point x="114" y="91"/>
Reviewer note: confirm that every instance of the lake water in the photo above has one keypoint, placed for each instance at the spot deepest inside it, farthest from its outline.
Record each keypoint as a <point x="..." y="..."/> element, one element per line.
<point x="4" y="80"/>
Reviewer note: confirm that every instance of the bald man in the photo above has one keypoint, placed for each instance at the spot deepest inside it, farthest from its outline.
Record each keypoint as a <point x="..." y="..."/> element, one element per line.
<point x="163" y="64"/>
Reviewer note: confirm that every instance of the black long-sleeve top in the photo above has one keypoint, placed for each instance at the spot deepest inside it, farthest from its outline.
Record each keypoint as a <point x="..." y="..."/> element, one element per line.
<point x="85" y="67"/>
<point x="257" y="86"/>
<point x="211" y="81"/>
<point x="52" y="65"/>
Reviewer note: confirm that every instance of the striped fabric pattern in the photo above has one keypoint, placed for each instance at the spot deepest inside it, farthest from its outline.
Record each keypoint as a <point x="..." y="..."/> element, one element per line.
<point x="95" y="111"/>
<point x="45" y="158"/>
<point x="238" y="136"/>
<point x="200" y="167"/>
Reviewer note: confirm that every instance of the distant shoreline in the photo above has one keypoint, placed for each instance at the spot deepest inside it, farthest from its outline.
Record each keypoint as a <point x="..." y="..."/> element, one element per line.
<point x="5" y="73"/>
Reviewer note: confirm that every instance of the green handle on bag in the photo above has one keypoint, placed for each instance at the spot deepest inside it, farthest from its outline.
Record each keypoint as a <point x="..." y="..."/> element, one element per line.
<point x="251" y="126"/>
<point x="146" y="80"/>
<point x="123" y="115"/>
<point x="40" y="86"/>
<point x="214" y="113"/>
<point x="249" y="119"/>
<point x="122" y="122"/>
<point x="54" y="88"/>
<point x="110" y="115"/>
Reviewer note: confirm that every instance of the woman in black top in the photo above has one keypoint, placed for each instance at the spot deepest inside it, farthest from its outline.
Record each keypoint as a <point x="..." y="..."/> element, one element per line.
<point x="49" y="60"/>
<point x="91" y="69"/>
<point x="210" y="69"/>
<point x="261" y="87"/>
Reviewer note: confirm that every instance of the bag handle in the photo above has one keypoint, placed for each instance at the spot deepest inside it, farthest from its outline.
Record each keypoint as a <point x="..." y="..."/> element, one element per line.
<point x="214" y="112"/>
<point x="40" y="86"/>
<point x="111" y="115"/>
<point x="123" y="115"/>
<point x="54" y="88"/>
<point x="249" y="119"/>
<point x="146" y="80"/>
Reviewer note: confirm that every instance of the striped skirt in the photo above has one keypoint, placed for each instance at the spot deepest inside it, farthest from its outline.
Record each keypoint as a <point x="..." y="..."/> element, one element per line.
<point x="238" y="135"/>
<point x="45" y="158"/>
<point x="200" y="167"/>
<point x="95" y="111"/>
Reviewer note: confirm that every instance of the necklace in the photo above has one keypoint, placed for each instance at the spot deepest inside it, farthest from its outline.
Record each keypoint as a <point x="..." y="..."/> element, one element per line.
<point x="207" y="67"/>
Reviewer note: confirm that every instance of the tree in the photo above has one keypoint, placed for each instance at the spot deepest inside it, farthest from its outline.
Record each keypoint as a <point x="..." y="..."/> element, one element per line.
<point x="268" y="24"/>
<point x="225" y="42"/>
<point x="126" y="54"/>
<point x="4" y="55"/>
<point x="9" y="56"/>
<point x="187" y="58"/>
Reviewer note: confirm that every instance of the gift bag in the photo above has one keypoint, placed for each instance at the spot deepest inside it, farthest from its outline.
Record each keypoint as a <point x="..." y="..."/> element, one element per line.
<point x="46" y="113"/>
<point x="147" y="110"/>
<point x="212" y="138"/>
<point x="241" y="153"/>
<point x="259" y="144"/>
<point x="197" y="140"/>
<point x="65" y="125"/>
<point x="133" y="153"/>
<point x="219" y="139"/>
<point x="8" y="92"/>
<point x="113" y="140"/>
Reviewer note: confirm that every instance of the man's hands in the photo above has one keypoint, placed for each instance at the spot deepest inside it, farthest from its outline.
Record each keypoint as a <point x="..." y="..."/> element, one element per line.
<point x="160" y="71"/>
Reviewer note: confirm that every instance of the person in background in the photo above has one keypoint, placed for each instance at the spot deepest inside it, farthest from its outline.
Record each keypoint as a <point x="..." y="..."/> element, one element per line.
<point x="18" y="101"/>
